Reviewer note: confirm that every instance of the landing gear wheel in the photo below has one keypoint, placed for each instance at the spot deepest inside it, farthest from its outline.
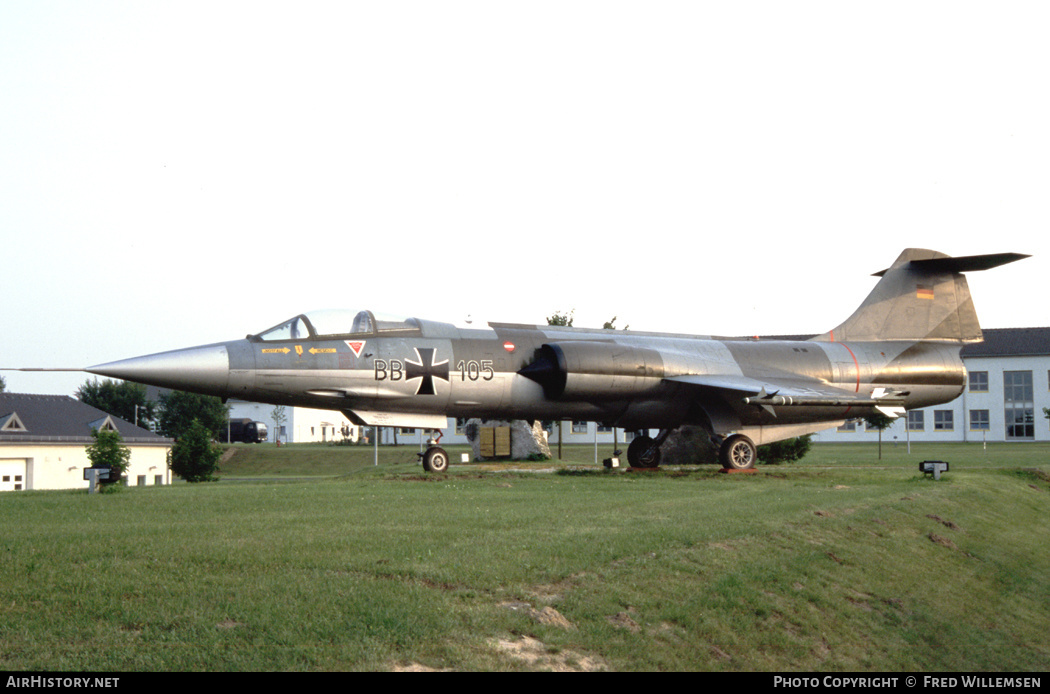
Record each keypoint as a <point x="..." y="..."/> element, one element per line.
<point x="738" y="452"/>
<point x="643" y="452"/>
<point x="435" y="459"/>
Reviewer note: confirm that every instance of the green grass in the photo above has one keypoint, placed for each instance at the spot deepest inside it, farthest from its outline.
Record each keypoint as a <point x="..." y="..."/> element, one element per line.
<point x="838" y="563"/>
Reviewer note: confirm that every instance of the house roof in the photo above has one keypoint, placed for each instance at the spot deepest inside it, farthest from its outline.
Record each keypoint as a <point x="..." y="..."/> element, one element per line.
<point x="1010" y="342"/>
<point x="998" y="342"/>
<point x="60" y="418"/>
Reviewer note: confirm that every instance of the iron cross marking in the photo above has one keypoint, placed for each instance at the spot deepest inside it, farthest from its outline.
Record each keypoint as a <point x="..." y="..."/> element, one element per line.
<point x="426" y="370"/>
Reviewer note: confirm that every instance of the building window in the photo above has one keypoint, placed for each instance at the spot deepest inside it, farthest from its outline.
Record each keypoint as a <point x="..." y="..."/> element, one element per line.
<point x="849" y="426"/>
<point x="943" y="420"/>
<point x="979" y="420"/>
<point x="917" y="420"/>
<point x="978" y="381"/>
<point x="579" y="427"/>
<point x="1019" y="402"/>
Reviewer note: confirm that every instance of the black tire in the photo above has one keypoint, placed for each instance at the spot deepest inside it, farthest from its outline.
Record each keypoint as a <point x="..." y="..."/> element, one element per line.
<point x="643" y="453"/>
<point x="435" y="459"/>
<point x="738" y="452"/>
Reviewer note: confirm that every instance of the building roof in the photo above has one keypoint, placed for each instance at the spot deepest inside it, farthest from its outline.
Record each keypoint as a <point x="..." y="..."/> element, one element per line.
<point x="998" y="342"/>
<point x="60" y="418"/>
<point x="1010" y="342"/>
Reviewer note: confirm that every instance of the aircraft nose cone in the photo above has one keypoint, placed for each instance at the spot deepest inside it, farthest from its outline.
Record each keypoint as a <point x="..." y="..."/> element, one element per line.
<point x="203" y="369"/>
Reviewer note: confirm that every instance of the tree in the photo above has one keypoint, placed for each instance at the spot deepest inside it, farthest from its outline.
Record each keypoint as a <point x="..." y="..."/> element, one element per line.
<point x="559" y="318"/>
<point x="180" y="409"/>
<point x="194" y="457"/>
<point x="279" y="418"/>
<point x="878" y="421"/>
<point x="108" y="451"/>
<point x="3" y="384"/>
<point x="118" y="398"/>
<point x="611" y="325"/>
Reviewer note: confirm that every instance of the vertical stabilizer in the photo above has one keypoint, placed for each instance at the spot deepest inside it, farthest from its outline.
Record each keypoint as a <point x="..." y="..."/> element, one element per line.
<point x="922" y="296"/>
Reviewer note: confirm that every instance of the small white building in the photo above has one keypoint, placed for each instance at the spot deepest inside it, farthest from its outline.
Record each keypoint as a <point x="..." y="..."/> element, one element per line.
<point x="44" y="440"/>
<point x="299" y="424"/>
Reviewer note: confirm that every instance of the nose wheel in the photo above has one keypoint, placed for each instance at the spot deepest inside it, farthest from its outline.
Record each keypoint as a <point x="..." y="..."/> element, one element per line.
<point x="435" y="459"/>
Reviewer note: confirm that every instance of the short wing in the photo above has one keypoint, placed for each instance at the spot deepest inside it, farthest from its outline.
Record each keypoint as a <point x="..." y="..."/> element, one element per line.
<point x="787" y="392"/>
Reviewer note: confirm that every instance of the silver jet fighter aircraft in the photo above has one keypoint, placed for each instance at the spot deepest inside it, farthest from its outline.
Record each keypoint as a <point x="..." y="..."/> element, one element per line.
<point x="898" y="351"/>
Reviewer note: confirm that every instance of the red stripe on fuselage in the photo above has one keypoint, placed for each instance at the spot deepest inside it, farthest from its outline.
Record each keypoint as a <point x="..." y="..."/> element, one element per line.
<point x="856" y="366"/>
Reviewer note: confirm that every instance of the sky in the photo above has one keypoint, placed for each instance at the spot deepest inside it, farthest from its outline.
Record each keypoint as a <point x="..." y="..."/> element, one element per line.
<point x="181" y="173"/>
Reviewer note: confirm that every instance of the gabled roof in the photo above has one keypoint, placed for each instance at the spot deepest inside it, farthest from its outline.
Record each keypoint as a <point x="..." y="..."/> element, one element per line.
<point x="60" y="418"/>
<point x="11" y="422"/>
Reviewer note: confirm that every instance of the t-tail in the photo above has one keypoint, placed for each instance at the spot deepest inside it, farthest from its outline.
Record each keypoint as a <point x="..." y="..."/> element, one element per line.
<point x="923" y="296"/>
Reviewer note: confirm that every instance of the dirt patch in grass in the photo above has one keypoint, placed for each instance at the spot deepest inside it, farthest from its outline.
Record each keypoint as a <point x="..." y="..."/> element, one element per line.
<point x="623" y="620"/>
<point x="537" y="656"/>
<point x="951" y="525"/>
<point x="547" y="615"/>
<point x="942" y="541"/>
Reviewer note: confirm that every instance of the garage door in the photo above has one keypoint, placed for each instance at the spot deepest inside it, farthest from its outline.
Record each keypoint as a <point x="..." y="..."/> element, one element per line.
<point x="12" y="475"/>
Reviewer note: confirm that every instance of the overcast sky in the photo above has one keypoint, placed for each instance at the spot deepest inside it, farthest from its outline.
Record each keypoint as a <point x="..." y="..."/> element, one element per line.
<point x="179" y="173"/>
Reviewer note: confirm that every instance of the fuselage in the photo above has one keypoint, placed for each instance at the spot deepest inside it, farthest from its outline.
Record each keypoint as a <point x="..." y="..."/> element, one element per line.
<point x="427" y="370"/>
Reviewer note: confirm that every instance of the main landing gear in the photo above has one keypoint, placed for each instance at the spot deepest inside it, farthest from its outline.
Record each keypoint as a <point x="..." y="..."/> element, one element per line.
<point x="644" y="451"/>
<point x="735" y="452"/>
<point x="435" y="458"/>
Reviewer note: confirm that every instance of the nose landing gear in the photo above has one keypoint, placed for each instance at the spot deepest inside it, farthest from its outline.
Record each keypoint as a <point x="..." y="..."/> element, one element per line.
<point x="435" y="458"/>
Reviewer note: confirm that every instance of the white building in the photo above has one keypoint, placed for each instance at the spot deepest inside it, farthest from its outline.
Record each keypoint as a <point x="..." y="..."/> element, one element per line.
<point x="44" y="440"/>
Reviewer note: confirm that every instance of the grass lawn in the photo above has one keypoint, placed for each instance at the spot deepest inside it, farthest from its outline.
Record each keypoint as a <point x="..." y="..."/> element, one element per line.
<point x="313" y="558"/>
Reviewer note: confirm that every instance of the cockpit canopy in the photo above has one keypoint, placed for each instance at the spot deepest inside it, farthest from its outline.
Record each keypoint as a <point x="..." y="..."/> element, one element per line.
<point x="336" y="322"/>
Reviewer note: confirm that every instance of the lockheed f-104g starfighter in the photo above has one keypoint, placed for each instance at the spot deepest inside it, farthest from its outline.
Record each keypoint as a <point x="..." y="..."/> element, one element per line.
<point x="898" y="351"/>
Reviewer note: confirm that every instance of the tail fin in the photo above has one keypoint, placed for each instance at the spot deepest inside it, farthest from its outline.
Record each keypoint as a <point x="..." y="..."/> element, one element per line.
<point x="922" y="296"/>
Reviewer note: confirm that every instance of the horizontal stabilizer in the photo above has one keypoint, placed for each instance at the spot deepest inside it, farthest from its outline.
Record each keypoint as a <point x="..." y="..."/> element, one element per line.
<point x="966" y="263"/>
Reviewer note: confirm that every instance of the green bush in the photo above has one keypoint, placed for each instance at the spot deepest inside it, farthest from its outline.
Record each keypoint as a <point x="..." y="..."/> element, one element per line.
<point x="786" y="451"/>
<point x="194" y="457"/>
